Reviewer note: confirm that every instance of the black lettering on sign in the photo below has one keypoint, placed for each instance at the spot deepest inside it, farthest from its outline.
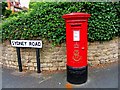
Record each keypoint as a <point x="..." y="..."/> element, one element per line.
<point x="30" y="43"/>
<point x="39" y="43"/>
<point x="16" y="43"/>
<point x="34" y="43"/>
<point x="12" y="43"/>
<point x="19" y="43"/>
<point x="25" y="43"/>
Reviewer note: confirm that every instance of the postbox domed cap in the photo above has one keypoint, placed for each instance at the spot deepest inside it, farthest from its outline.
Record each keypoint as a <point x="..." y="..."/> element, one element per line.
<point x="76" y="14"/>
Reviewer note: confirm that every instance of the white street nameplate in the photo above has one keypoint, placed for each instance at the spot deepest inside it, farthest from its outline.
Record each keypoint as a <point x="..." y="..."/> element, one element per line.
<point x="27" y="43"/>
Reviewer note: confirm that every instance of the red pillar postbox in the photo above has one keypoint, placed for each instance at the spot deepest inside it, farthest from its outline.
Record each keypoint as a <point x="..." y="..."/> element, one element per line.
<point x="76" y="45"/>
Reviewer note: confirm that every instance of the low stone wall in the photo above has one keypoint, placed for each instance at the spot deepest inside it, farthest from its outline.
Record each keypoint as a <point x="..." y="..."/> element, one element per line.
<point x="104" y="52"/>
<point x="54" y="58"/>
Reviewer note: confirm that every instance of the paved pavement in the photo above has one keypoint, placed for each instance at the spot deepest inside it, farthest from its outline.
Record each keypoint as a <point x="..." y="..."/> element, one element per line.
<point x="101" y="77"/>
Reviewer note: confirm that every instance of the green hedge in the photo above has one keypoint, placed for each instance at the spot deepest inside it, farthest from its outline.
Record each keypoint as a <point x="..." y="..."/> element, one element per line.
<point x="5" y="12"/>
<point x="44" y="20"/>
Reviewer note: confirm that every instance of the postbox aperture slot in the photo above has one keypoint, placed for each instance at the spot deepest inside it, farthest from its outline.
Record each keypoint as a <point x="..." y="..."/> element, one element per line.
<point x="76" y="35"/>
<point x="75" y="24"/>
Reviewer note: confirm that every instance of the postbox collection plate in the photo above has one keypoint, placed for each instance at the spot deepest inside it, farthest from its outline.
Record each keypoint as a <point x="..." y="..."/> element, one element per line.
<point x="76" y="35"/>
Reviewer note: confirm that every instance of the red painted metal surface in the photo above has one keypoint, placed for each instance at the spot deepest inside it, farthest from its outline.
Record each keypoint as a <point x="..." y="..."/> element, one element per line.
<point x="76" y="23"/>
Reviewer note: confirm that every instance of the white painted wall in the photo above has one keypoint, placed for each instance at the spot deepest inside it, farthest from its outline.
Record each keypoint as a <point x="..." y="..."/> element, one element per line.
<point x="24" y="3"/>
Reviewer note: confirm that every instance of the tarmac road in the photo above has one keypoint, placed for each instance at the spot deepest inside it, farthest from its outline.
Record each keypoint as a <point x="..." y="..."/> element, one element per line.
<point x="103" y="77"/>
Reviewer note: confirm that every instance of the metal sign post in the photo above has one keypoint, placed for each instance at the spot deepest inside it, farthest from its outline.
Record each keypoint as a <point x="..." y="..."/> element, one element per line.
<point x="38" y="60"/>
<point x="19" y="59"/>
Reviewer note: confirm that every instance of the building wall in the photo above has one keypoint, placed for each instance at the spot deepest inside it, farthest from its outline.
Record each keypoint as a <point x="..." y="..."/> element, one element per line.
<point x="54" y="58"/>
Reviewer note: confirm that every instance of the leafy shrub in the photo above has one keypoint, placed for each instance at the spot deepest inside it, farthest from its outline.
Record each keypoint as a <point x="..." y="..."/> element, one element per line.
<point x="4" y="4"/>
<point x="5" y="12"/>
<point x="44" y="20"/>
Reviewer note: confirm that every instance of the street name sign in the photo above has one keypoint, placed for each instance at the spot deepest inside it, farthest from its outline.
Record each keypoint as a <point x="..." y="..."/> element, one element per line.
<point x="27" y="43"/>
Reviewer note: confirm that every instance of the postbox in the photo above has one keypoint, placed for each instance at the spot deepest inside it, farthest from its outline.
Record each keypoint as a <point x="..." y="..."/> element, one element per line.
<point x="76" y="45"/>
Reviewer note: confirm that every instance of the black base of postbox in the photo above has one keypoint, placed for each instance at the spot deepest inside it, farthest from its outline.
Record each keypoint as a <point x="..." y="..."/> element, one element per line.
<point x="77" y="75"/>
